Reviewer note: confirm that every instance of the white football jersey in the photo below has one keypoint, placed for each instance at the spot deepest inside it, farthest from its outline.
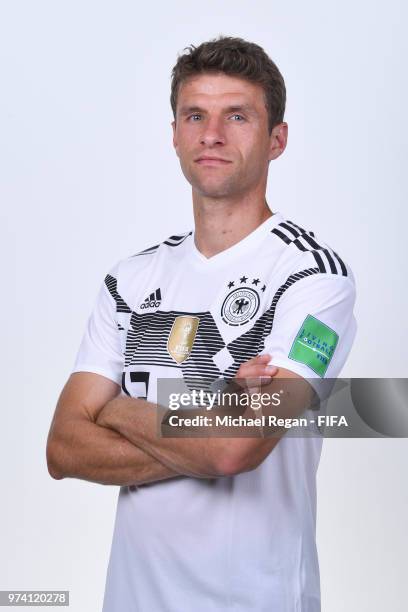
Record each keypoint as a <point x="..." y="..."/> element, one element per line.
<point x="244" y="542"/>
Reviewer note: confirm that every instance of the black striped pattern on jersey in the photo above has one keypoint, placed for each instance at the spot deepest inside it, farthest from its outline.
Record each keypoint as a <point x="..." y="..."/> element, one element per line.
<point x="252" y="342"/>
<point x="326" y="259"/>
<point x="172" y="241"/>
<point x="112" y="285"/>
<point x="146" y="340"/>
<point x="146" y="344"/>
<point x="148" y="333"/>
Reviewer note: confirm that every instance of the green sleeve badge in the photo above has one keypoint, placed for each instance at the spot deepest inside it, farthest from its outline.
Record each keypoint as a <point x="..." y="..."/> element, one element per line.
<point x="314" y="345"/>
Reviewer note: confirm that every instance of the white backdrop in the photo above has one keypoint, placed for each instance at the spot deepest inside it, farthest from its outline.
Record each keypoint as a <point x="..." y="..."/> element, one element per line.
<point x="88" y="176"/>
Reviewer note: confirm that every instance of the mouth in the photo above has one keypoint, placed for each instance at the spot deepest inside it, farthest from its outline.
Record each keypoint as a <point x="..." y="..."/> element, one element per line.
<point x="212" y="161"/>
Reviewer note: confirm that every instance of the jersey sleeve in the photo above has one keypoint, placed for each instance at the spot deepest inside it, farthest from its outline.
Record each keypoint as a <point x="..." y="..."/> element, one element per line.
<point x="100" y="349"/>
<point x="314" y="328"/>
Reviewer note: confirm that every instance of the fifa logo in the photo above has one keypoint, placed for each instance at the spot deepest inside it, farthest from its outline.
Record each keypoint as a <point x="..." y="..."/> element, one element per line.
<point x="181" y="338"/>
<point x="186" y="330"/>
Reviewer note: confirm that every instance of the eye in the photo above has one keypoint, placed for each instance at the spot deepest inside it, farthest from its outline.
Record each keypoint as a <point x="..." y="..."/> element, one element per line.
<point x="194" y="117"/>
<point x="238" y="118"/>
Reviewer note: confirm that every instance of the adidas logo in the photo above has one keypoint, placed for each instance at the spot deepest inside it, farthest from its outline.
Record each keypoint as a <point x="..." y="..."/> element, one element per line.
<point x="153" y="301"/>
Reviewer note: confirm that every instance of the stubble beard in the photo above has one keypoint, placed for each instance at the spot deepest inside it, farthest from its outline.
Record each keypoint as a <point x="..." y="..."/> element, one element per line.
<point x="213" y="187"/>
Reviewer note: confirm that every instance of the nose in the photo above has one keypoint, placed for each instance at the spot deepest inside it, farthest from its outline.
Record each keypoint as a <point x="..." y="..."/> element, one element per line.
<point x="212" y="133"/>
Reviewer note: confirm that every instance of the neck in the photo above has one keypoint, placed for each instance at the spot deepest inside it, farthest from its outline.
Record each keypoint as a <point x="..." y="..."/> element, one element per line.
<point x="221" y="223"/>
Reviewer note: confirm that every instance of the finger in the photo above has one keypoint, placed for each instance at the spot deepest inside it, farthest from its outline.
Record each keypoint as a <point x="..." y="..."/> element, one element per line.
<point x="254" y="383"/>
<point x="265" y="358"/>
<point x="250" y="371"/>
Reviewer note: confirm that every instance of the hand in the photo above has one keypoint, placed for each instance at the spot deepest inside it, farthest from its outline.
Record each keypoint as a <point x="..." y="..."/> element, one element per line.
<point x="251" y="376"/>
<point x="255" y="372"/>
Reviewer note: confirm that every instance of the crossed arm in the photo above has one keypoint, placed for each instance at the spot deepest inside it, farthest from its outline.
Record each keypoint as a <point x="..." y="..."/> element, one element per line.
<point x="216" y="454"/>
<point x="79" y="447"/>
<point x="100" y="437"/>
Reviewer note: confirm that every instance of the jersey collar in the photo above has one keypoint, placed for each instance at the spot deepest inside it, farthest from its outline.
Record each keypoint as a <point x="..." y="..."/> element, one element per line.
<point x="239" y="248"/>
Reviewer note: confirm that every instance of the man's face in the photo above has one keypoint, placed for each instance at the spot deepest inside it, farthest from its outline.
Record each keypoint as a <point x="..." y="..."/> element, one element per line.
<point x="221" y="135"/>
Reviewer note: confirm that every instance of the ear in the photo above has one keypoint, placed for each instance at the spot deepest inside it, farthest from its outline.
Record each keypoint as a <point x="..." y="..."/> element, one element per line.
<point x="278" y="140"/>
<point x="175" y="145"/>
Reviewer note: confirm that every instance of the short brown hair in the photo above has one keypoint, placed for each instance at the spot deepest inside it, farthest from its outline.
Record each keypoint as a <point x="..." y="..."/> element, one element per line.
<point x="234" y="57"/>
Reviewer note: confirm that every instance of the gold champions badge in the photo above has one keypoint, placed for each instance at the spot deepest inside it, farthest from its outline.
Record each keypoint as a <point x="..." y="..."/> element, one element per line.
<point x="181" y="338"/>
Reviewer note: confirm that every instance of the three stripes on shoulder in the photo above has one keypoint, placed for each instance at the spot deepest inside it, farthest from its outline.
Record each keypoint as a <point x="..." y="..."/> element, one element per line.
<point x="327" y="260"/>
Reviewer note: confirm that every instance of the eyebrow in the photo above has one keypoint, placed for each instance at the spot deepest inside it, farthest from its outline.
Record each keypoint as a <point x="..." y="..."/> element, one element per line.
<point x="186" y="110"/>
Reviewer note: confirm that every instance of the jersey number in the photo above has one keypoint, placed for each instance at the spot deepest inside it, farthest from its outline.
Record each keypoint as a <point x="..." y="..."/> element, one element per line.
<point x="136" y="384"/>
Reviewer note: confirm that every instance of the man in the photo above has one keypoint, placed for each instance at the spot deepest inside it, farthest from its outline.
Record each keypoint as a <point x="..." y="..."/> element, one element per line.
<point x="210" y="523"/>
